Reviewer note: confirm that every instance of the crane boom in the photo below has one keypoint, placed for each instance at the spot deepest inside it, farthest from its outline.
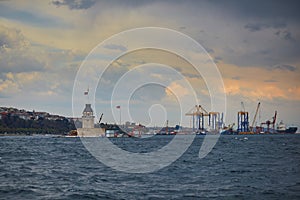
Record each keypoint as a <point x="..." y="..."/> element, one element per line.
<point x="243" y="106"/>
<point x="274" y="118"/>
<point x="100" y="118"/>
<point x="254" y="119"/>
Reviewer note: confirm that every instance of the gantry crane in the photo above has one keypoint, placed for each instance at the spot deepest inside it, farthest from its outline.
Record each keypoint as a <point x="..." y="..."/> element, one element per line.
<point x="215" y="121"/>
<point x="198" y="113"/>
<point x="243" y="121"/>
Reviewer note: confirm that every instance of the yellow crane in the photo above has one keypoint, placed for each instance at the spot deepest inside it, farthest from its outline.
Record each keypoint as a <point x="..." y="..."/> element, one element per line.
<point x="198" y="113"/>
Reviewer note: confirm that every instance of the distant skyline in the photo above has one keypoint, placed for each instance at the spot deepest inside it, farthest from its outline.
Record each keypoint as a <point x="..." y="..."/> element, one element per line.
<point x="255" y="44"/>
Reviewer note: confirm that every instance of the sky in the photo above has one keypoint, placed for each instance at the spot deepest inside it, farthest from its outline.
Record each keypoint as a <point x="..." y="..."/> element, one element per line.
<point x="254" y="44"/>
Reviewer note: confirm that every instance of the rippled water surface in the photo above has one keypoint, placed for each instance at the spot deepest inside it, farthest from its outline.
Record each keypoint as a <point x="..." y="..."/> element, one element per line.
<point x="260" y="167"/>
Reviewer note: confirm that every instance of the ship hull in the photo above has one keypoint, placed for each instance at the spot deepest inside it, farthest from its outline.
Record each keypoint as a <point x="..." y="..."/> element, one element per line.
<point x="290" y="130"/>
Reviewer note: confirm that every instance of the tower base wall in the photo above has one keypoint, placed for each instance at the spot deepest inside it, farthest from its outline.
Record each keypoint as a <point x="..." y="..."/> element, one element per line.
<point x="91" y="132"/>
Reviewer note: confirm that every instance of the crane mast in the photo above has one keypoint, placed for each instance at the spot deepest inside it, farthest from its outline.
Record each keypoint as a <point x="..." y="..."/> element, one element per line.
<point x="254" y="119"/>
<point x="243" y="106"/>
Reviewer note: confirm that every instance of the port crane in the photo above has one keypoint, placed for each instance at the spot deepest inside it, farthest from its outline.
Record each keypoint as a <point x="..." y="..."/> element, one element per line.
<point x="243" y="107"/>
<point x="215" y="120"/>
<point x="254" y="119"/>
<point x="198" y="113"/>
<point x="243" y="120"/>
<point x="268" y="123"/>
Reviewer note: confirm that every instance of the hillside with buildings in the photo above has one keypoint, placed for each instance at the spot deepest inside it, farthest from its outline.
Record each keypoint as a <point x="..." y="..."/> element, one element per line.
<point x="15" y="121"/>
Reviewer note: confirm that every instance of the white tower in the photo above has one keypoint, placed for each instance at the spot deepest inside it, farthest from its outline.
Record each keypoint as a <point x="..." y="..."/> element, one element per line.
<point x="87" y="117"/>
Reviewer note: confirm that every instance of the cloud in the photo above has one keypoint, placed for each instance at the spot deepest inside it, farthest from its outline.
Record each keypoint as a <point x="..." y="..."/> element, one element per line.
<point x="236" y="78"/>
<point x="253" y="27"/>
<point x="209" y="50"/>
<point x="267" y="9"/>
<point x="285" y="67"/>
<point x="177" y="88"/>
<point x="149" y="93"/>
<point x="75" y="4"/>
<point x="16" y="54"/>
<point x="115" y="47"/>
<point x="217" y="59"/>
<point x="33" y="72"/>
<point x="8" y="87"/>
<point x="19" y="62"/>
<point x="261" y="83"/>
<point x="30" y="17"/>
<point x="11" y="38"/>
<point x="191" y="75"/>
<point x="270" y="81"/>
<point x="251" y="35"/>
<point x="286" y="35"/>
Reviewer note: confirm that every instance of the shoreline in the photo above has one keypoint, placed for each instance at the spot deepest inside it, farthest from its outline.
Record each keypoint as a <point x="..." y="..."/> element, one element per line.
<point x="66" y="136"/>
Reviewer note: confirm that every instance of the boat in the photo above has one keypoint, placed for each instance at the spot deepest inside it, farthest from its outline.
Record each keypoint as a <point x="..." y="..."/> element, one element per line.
<point x="169" y="130"/>
<point x="72" y="133"/>
<point x="281" y="128"/>
<point x="114" y="131"/>
<point x="228" y="130"/>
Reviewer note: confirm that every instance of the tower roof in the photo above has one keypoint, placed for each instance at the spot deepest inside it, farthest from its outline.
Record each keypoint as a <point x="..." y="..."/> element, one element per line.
<point x="88" y="108"/>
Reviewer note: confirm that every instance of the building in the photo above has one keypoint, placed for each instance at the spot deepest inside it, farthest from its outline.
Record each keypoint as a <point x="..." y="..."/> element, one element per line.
<point x="88" y="117"/>
<point x="88" y="127"/>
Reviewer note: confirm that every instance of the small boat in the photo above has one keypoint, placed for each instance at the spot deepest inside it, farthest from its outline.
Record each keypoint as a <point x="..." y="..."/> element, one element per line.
<point x="72" y="133"/>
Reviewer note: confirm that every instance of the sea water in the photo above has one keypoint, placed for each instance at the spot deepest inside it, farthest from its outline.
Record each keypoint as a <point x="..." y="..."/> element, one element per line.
<point x="255" y="167"/>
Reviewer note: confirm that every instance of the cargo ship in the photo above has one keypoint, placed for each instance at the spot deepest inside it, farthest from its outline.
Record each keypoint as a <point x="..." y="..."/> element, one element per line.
<point x="281" y="128"/>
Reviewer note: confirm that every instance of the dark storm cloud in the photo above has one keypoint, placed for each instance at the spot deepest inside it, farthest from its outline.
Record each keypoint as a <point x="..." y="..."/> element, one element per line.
<point x="285" y="67"/>
<point x="75" y="4"/>
<point x="261" y="19"/>
<point x="267" y="9"/>
<point x="259" y="15"/>
<point x="287" y="35"/>
<point x="263" y="58"/>
<point x="245" y="9"/>
<point x="253" y="27"/>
